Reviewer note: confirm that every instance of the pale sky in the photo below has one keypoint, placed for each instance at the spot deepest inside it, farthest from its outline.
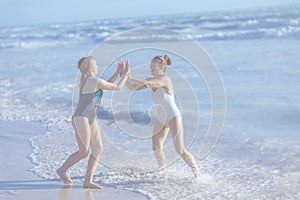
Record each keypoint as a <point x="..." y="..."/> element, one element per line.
<point x="29" y="12"/>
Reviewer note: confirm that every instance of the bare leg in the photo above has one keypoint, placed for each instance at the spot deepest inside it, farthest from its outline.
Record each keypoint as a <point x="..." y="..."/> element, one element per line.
<point x="82" y="130"/>
<point x="97" y="148"/>
<point x="160" y="133"/>
<point x="178" y="141"/>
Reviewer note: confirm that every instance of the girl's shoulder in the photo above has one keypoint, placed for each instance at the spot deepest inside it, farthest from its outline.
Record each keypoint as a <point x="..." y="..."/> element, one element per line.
<point x="93" y="79"/>
<point x="161" y="78"/>
<point x="166" y="79"/>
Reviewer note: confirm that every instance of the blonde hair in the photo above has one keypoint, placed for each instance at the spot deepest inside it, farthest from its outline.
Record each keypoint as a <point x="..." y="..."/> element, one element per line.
<point x="85" y="66"/>
<point x="164" y="60"/>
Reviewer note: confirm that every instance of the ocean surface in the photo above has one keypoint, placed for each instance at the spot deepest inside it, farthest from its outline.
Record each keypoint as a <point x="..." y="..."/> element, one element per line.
<point x="256" y="52"/>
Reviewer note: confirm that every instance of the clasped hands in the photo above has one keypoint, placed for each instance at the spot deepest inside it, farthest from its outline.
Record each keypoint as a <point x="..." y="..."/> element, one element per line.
<point x="123" y="69"/>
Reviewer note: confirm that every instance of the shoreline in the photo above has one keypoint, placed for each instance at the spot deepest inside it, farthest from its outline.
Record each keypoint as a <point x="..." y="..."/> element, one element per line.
<point x="18" y="182"/>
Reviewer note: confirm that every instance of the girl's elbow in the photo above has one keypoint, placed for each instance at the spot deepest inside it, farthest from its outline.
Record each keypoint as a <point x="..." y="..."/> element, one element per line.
<point x="131" y="88"/>
<point x="148" y="86"/>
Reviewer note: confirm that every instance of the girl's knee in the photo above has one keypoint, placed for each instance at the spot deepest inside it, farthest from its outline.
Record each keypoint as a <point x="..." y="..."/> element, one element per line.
<point x="181" y="151"/>
<point x="83" y="153"/>
<point x="97" y="152"/>
<point x="157" y="147"/>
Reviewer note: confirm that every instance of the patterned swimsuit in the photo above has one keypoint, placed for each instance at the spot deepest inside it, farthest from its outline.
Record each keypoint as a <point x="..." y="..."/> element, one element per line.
<point x="88" y="105"/>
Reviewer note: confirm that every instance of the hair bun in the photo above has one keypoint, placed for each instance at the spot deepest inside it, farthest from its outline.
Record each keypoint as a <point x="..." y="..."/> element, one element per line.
<point x="167" y="59"/>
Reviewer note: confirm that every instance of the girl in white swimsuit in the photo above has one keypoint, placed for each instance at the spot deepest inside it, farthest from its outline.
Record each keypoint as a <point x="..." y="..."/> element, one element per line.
<point x="166" y="108"/>
<point x="168" y="115"/>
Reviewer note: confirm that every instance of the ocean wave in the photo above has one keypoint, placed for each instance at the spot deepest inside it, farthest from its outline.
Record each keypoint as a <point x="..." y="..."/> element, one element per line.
<point x="234" y="25"/>
<point x="280" y="32"/>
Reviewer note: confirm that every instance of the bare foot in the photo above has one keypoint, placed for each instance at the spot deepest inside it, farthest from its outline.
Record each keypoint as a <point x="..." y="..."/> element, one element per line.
<point x="64" y="177"/>
<point x="92" y="185"/>
<point x="197" y="174"/>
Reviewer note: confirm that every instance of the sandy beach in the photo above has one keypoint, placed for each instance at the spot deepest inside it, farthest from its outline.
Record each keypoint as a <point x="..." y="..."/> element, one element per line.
<point x="18" y="182"/>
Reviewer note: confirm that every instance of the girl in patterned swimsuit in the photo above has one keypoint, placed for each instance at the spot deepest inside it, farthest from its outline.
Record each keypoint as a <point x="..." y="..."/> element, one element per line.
<point x="83" y="120"/>
<point x="168" y="115"/>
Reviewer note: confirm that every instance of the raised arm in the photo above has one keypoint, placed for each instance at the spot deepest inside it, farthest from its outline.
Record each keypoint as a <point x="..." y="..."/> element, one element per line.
<point x="115" y="75"/>
<point x="105" y="85"/>
<point x="135" y="86"/>
<point x="140" y="84"/>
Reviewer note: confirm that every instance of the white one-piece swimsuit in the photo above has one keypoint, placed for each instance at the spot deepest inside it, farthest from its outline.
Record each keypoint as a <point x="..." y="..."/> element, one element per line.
<point x="166" y="107"/>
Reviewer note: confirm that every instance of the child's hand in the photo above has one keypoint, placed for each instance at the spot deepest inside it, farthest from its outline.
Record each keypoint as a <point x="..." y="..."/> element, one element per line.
<point x="121" y="67"/>
<point x="127" y="68"/>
